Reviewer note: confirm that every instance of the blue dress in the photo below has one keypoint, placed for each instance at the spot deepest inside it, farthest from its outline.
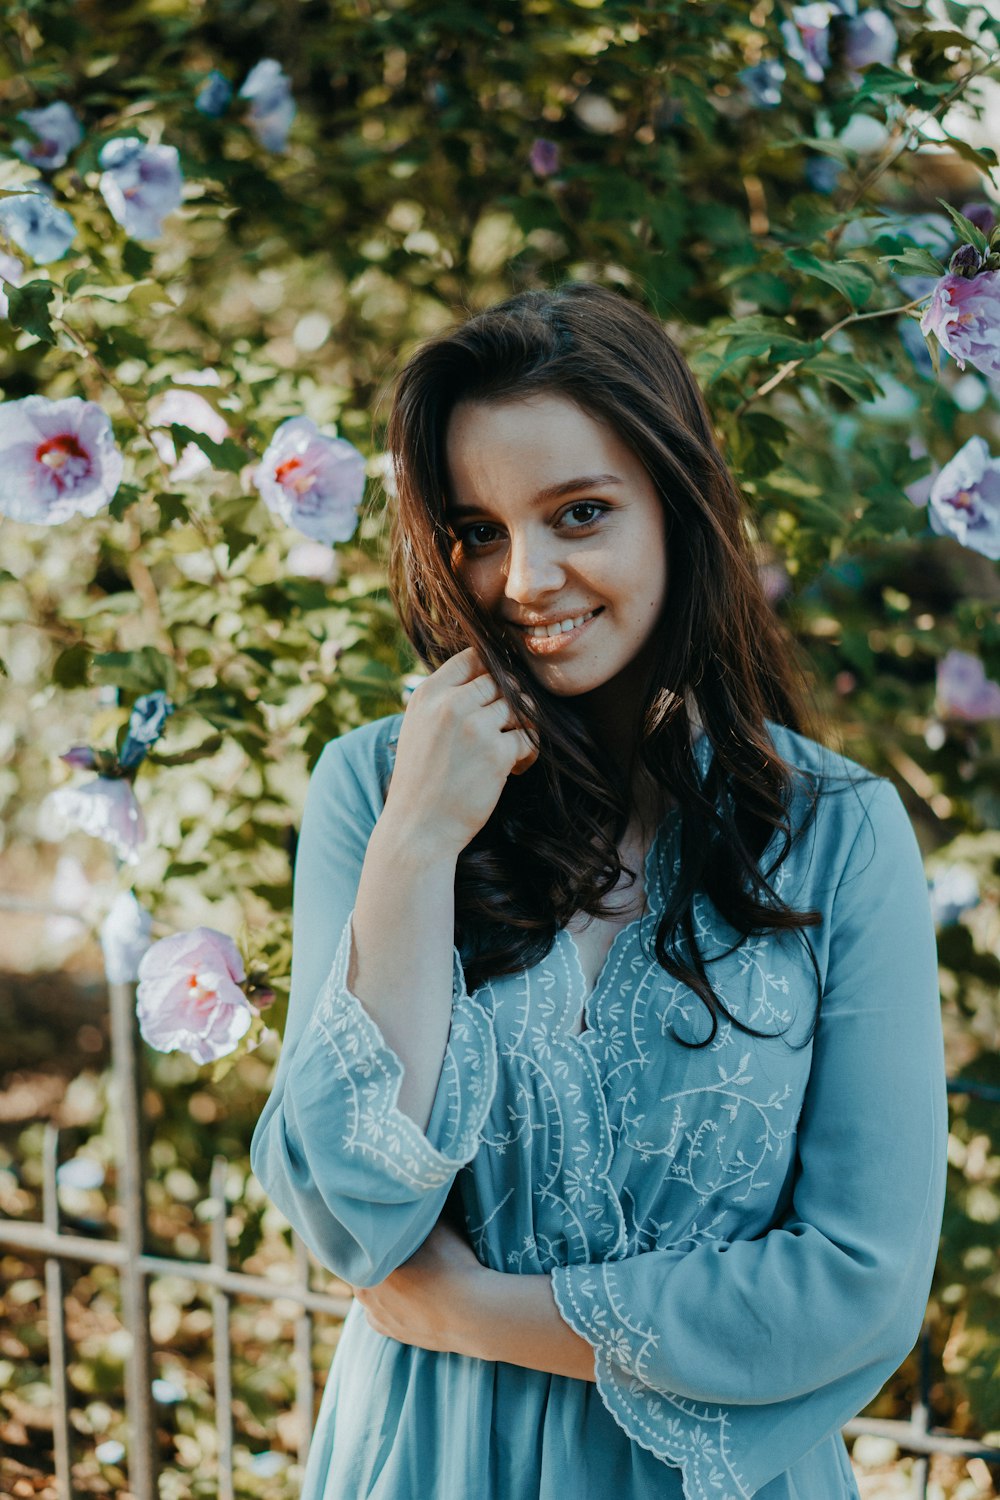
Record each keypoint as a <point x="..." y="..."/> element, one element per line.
<point x="745" y="1233"/>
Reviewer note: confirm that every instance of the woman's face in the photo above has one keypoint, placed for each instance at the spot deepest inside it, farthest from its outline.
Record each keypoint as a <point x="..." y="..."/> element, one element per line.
<point x="558" y="519"/>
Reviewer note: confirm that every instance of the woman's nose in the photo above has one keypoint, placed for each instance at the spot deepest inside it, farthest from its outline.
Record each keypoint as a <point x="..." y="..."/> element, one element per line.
<point x="533" y="568"/>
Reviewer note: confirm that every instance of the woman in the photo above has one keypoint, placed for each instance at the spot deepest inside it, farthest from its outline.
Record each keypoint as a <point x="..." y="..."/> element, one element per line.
<point x="613" y="1075"/>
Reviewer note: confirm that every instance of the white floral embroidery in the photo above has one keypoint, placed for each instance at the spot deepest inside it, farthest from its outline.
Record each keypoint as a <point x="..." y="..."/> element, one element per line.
<point x="370" y="1074"/>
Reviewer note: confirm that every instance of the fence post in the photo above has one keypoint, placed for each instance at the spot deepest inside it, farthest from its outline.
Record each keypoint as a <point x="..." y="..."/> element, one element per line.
<point x="126" y="1058"/>
<point x="55" y="1296"/>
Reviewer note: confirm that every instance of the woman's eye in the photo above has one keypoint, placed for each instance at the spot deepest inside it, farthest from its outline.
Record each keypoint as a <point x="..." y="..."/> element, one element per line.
<point x="586" y="505"/>
<point x="472" y="539"/>
<point x="468" y="539"/>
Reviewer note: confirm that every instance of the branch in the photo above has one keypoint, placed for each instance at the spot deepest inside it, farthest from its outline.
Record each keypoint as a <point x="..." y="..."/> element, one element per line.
<point x="793" y="364"/>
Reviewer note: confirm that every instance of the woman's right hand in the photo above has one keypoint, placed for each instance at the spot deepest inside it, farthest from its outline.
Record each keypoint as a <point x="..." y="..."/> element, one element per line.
<point x="458" y="743"/>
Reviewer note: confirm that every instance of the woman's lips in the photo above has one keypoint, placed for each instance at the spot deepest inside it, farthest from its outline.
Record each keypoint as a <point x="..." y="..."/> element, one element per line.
<point x="546" y="645"/>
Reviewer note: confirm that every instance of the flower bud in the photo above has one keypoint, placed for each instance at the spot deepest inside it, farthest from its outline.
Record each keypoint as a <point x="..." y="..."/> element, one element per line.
<point x="965" y="261"/>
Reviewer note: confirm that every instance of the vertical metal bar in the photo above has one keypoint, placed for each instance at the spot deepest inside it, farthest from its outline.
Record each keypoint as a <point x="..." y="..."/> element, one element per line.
<point x="303" y="1356"/>
<point x="55" y="1291"/>
<point x="222" y="1358"/>
<point x="126" y="1059"/>
<point x="920" y="1416"/>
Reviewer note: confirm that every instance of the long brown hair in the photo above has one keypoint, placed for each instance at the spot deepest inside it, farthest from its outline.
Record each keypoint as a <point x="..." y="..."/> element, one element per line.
<point x="550" y="847"/>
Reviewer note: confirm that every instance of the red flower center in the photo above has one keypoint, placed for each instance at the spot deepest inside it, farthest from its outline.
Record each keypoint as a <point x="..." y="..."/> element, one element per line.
<point x="64" y="458"/>
<point x="57" y="452"/>
<point x="200" y="996"/>
<point x="289" y="476"/>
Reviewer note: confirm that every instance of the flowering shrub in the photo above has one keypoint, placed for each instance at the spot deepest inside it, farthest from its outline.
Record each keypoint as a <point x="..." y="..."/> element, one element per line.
<point x="219" y="237"/>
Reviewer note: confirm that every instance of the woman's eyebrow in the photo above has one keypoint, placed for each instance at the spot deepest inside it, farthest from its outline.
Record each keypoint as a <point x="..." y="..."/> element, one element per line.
<point x="551" y="491"/>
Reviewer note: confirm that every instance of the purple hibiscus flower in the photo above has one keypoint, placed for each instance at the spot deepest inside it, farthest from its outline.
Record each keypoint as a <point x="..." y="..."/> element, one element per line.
<point x="141" y="184"/>
<point x="807" y="38"/>
<point x="272" y="108"/>
<point x="57" y="131"/>
<point x="36" y="226"/>
<point x="983" y="215"/>
<point x="189" y="996"/>
<point x="543" y="158"/>
<point x="963" y="689"/>
<point x="59" y="459"/>
<point x="311" y="481"/>
<point x="214" y="95"/>
<point x="964" y="499"/>
<point x="763" y="82"/>
<point x="964" y="313"/>
<point x="870" y="38"/>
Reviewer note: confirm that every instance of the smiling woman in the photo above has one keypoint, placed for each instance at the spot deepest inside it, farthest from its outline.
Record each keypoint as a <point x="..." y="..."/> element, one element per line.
<point x="613" y="1075"/>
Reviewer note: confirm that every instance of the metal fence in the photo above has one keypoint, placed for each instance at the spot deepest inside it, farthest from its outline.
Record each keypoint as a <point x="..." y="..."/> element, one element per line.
<point x="137" y="1267"/>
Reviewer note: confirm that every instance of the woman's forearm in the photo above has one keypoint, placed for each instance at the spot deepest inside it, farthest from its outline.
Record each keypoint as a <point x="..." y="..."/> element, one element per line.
<point x="401" y="954"/>
<point x="515" y="1321"/>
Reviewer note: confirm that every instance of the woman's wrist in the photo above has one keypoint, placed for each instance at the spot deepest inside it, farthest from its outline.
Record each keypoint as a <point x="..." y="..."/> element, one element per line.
<point x="474" y="1310"/>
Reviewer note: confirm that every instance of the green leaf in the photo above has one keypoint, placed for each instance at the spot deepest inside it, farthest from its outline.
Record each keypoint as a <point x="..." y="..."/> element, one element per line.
<point x="142" y="671"/>
<point x="845" y="276"/>
<point x="227" y="455"/>
<point x="172" y="508"/>
<point x="774" y="343"/>
<point x="124" y="496"/>
<point x="966" y="229"/>
<point x="71" y="667"/>
<point x="983" y="157"/>
<point x="29" y="308"/>
<point x="915" y="261"/>
<point x="843" y="371"/>
<point x="137" y="261"/>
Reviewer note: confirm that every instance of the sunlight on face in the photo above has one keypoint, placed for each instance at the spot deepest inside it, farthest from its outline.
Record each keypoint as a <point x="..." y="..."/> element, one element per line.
<point x="557" y="520"/>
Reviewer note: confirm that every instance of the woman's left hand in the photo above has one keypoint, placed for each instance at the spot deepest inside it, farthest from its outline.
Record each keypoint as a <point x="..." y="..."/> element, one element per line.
<point x="430" y="1300"/>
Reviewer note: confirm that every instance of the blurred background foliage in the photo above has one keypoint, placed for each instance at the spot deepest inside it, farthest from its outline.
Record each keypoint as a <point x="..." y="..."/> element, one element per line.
<point x="441" y="157"/>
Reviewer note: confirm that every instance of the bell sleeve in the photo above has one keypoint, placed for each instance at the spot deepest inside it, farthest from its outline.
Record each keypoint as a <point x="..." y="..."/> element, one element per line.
<point x="354" y="1176"/>
<point x="734" y="1359"/>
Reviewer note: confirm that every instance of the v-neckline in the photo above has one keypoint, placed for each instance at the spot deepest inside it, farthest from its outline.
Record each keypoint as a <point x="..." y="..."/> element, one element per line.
<point x="652" y="905"/>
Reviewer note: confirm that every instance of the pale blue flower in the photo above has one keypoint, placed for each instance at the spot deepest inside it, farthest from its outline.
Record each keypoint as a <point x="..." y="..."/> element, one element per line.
<point x="214" y="95"/>
<point x="953" y="890"/>
<point x="272" y="108"/>
<point x="763" y="82"/>
<point x="807" y="38"/>
<point x="313" y="482"/>
<point x="141" y="184"/>
<point x="57" y="131"/>
<point x="823" y="173"/>
<point x="36" y="226"/>
<point x="146" y="722"/>
<point x="870" y="38"/>
<point x="59" y="459"/>
<point x="965" y="499"/>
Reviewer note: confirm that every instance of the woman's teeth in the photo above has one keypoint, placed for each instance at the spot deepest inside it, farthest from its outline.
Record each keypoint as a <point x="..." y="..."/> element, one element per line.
<point x="560" y="628"/>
